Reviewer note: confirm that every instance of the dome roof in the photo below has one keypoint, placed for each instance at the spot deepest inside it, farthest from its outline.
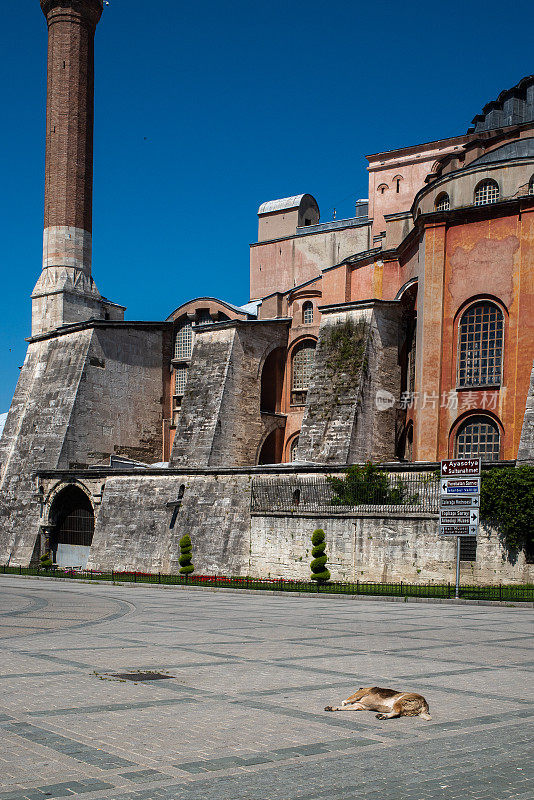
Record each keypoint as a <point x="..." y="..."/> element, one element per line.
<point x="521" y="148"/>
<point x="512" y="107"/>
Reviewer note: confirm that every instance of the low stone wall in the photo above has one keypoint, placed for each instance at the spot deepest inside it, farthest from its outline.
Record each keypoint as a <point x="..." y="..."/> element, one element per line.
<point x="141" y="517"/>
<point x="136" y="529"/>
<point x="385" y="548"/>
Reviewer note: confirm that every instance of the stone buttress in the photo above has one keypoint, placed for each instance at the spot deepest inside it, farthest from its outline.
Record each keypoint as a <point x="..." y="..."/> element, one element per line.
<point x="350" y="407"/>
<point x="81" y="397"/>
<point x="221" y="423"/>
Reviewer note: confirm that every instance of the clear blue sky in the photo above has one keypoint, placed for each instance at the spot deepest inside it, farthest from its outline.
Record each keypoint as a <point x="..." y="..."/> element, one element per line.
<point x="205" y="110"/>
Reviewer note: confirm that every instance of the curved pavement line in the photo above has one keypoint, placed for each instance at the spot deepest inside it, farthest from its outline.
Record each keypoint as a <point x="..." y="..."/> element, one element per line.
<point x="126" y="608"/>
<point x="34" y="604"/>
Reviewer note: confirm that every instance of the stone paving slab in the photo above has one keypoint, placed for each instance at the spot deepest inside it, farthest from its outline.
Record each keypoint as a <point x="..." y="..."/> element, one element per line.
<point x="241" y="717"/>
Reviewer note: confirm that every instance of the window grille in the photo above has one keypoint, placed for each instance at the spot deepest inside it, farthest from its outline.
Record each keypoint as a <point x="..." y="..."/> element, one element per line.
<point x="303" y="362"/>
<point x="486" y="192"/>
<point x="76" y="528"/>
<point x="183" y="344"/>
<point x="180" y="380"/>
<point x="478" y="437"/>
<point x="294" y="445"/>
<point x="307" y="313"/>
<point x="480" y="346"/>
<point x="443" y="202"/>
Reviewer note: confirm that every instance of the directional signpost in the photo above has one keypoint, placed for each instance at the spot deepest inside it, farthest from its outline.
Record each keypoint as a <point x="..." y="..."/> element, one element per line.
<point x="459" y="502"/>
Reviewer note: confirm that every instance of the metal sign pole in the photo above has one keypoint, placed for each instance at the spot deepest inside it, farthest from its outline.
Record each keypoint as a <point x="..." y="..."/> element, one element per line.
<point x="459" y="504"/>
<point x="457" y="595"/>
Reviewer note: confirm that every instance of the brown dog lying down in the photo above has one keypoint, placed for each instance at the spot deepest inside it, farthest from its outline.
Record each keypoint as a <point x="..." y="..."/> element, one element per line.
<point x="387" y="702"/>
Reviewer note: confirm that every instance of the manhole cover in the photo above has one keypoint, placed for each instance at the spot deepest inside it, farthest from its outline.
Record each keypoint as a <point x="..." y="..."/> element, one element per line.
<point x="141" y="676"/>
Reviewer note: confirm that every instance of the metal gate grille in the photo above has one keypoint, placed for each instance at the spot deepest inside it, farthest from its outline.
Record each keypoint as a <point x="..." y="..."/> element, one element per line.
<point x="77" y="527"/>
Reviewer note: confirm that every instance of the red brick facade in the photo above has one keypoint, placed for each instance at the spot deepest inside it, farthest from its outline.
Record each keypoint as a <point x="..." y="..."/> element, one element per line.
<point x="70" y="110"/>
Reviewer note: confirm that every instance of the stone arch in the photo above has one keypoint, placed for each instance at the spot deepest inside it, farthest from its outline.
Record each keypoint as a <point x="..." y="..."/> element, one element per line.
<point x="71" y="525"/>
<point x="291" y="447"/>
<point x="270" y="450"/>
<point x="272" y="381"/>
<point x="272" y="441"/>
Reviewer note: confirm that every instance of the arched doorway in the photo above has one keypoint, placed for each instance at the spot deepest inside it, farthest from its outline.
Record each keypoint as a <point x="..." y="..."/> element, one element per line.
<point x="271" y="451"/>
<point x="73" y="523"/>
<point x="272" y="377"/>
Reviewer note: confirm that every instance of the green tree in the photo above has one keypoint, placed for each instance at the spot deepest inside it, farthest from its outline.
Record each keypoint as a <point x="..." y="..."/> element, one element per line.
<point x="507" y="503"/>
<point x="369" y="485"/>
<point x="186" y="554"/>
<point x="318" y="566"/>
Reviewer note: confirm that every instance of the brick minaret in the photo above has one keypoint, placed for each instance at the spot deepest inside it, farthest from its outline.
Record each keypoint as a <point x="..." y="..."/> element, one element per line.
<point x="65" y="291"/>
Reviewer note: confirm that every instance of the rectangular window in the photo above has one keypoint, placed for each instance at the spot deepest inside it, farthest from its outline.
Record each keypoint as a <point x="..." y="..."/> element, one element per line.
<point x="180" y="381"/>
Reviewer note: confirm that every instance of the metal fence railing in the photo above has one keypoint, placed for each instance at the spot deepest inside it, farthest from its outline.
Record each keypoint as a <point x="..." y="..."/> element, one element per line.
<point x="502" y="592"/>
<point x="406" y="492"/>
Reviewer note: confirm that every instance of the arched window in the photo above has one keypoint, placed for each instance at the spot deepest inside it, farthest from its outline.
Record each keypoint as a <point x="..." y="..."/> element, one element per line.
<point x="183" y="343"/>
<point x="302" y="371"/>
<point x="307" y="313"/>
<point x="443" y="202"/>
<point x="531" y="186"/>
<point x="382" y="188"/>
<point x="486" y="192"/>
<point x="480" y="346"/>
<point x="478" y="437"/>
<point x="293" y="449"/>
<point x="397" y="183"/>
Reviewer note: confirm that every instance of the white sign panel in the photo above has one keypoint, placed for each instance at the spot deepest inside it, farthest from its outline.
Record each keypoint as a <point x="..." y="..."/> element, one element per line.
<point x="458" y="530"/>
<point x="460" y="486"/>
<point x="460" y="502"/>
<point x="458" y="516"/>
<point x="460" y="466"/>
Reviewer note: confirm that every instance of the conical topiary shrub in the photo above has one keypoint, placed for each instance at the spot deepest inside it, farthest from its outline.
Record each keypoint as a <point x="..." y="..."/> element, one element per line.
<point x="186" y="554"/>
<point x="318" y="565"/>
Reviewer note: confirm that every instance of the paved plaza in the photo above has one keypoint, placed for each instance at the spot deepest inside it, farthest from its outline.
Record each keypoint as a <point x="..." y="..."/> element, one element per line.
<point x="239" y="715"/>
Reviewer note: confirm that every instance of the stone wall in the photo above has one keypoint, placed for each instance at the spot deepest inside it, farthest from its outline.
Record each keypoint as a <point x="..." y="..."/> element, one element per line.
<point x="220" y="423"/>
<point x="82" y="395"/>
<point x="118" y="409"/>
<point x="137" y="530"/>
<point x="34" y="434"/>
<point x="140" y="519"/>
<point x="387" y="548"/>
